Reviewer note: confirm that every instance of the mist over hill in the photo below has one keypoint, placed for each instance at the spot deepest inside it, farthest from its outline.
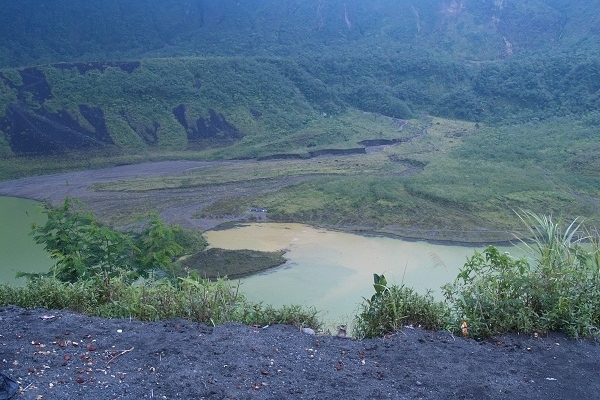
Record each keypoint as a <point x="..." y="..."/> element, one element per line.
<point x="37" y="31"/>
<point x="205" y="73"/>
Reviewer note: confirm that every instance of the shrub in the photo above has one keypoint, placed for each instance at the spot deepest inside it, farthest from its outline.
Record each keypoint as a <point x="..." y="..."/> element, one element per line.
<point x="191" y="298"/>
<point x="84" y="249"/>
<point x="492" y="294"/>
<point x="557" y="289"/>
<point x="393" y="307"/>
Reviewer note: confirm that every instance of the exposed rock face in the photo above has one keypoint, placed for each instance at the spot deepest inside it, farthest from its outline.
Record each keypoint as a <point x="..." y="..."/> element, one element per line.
<point x="40" y="132"/>
<point x="31" y="129"/>
<point x="215" y="127"/>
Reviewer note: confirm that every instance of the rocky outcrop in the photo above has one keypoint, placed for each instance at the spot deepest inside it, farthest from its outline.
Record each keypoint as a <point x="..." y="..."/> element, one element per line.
<point x="39" y="132"/>
<point x="213" y="127"/>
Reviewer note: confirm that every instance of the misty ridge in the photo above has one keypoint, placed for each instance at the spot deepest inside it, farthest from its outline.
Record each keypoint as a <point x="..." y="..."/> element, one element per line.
<point x="38" y="31"/>
<point x="497" y="61"/>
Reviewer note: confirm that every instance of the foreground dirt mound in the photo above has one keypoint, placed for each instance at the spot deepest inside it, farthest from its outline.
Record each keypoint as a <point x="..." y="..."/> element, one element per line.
<point x="62" y="355"/>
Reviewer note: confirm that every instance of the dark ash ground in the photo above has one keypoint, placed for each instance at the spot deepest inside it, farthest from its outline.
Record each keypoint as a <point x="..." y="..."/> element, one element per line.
<point x="62" y="355"/>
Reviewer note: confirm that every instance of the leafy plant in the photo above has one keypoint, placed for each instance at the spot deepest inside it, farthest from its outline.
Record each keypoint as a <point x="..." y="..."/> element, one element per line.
<point x="557" y="289"/>
<point x="156" y="247"/>
<point x="492" y="294"/>
<point x="84" y="249"/>
<point x="392" y="307"/>
<point x="556" y="247"/>
<point x="81" y="247"/>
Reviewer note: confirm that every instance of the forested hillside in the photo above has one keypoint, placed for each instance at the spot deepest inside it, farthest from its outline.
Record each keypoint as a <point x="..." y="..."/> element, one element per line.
<point x="36" y="31"/>
<point x="208" y="73"/>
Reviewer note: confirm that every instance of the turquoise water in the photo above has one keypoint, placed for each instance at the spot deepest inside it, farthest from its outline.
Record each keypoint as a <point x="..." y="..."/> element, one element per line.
<point x="18" y="251"/>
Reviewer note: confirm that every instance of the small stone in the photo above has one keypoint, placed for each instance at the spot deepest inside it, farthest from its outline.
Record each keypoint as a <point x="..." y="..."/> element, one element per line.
<point x="91" y="347"/>
<point x="308" y="331"/>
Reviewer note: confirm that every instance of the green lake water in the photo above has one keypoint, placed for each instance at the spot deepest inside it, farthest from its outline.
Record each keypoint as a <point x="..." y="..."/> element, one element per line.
<point x="18" y="251"/>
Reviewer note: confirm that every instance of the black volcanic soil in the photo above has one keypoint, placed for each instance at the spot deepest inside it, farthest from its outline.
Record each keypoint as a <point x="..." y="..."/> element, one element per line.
<point x="62" y="355"/>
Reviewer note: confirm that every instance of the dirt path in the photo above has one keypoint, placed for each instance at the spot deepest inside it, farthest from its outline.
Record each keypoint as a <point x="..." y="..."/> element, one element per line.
<point x="175" y="206"/>
<point x="62" y="355"/>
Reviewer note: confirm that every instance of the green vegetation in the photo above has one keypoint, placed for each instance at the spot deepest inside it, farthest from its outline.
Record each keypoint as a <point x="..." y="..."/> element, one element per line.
<point x="268" y="109"/>
<point x="104" y="31"/>
<point x="103" y="272"/>
<point x="555" y="290"/>
<point x="82" y="248"/>
<point x="391" y="308"/>
<point x="465" y="182"/>
<point x="490" y="107"/>
<point x="455" y="182"/>
<point x="281" y="91"/>
<point x="112" y="274"/>
<point x="489" y="130"/>
<point x="193" y="298"/>
<point x="214" y="263"/>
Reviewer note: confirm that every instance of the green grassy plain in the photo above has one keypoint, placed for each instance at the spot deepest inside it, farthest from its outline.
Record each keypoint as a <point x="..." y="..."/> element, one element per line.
<point x="459" y="181"/>
<point x="219" y="263"/>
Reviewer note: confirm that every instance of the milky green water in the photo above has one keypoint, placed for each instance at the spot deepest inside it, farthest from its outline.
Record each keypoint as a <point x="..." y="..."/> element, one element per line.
<point x="18" y="251"/>
<point x="333" y="271"/>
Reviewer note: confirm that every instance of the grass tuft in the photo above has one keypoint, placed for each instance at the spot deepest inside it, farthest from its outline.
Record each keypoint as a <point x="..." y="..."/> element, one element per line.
<point x="394" y="307"/>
